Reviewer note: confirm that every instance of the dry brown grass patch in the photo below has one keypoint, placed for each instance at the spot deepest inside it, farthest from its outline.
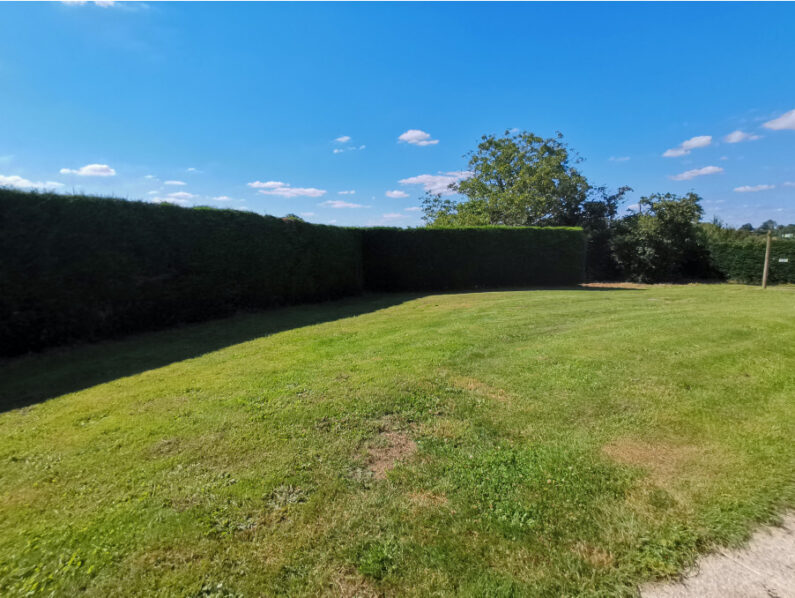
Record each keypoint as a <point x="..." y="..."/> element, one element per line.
<point x="348" y="583"/>
<point x="427" y="499"/>
<point x="593" y="555"/>
<point x="391" y="447"/>
<point x="616" y="285"/>
<point x="665" y="462"/>
<point x="479" y="387"/>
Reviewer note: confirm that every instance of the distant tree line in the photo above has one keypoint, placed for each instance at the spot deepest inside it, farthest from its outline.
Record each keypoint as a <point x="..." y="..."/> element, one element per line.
<point x="522" y="179"/>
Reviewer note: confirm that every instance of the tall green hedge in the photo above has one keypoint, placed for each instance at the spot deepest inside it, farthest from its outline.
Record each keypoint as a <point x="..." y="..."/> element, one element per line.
<point x="81" y="268"/>
<point x="467" y="258"/>
<point x="743" y="260"/>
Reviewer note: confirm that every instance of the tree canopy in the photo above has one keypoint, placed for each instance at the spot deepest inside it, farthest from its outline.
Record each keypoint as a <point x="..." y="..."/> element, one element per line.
<point x="521" y="179"/>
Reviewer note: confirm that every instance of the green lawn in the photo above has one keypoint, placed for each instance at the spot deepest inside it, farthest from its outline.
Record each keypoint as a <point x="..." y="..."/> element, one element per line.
<point x="536" y="443"/>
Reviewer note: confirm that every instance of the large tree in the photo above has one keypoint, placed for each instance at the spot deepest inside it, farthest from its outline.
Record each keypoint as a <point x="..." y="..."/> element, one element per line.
<point x="521" y="180"/>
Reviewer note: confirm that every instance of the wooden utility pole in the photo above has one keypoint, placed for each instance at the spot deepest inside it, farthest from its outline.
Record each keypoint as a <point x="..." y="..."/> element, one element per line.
<point x="767" y="262"/>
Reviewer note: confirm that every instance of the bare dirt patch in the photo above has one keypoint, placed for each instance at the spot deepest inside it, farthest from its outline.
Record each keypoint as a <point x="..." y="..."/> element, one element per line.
<point x="390" y="448"/>
<point x="615" y="285"/>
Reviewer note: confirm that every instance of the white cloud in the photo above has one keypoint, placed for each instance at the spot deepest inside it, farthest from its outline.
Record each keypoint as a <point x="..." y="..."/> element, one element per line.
<point x="176" y="183"/>
<point x="691" y="174"/>
<point x="152" y="192"/>
<point x="619" y="158"/>
<point x="223" y="198"/>
<point x="22" y="183"/>
<point x="343" y="139"/>
<point x="91" y="170"/>
<point x="397" y="194"/>
<point x="150" y="176"/>
<point x="181" y="195"/>
<point x="393" y="216"/>
<point x="437" y="183"/>
<point x="102" y="3"/>
<point x="686" y="146"/>
<point x="417" y="137"/>
<point x="267" y="184"/>
<point x="738" y="136"/>
<point x="352" y="148"/>
<point x="192" y="169"/>
<point x="348" y="192"/>
<point x="752" y="188"/>
<point x="788" y="184"/>
<point x="785" y="121"/>
<point x="285" y="190"/>
<point x="338" y="203"/>
<point x="306" y="214"/>
<point x="414" y="209"/>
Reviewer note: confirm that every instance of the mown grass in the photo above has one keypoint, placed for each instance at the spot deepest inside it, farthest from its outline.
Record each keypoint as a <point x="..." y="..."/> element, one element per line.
<point x="545" y="443"/>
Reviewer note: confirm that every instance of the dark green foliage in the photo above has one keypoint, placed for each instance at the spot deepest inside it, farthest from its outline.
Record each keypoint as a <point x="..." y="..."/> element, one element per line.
<point x="742" y="260"/>
<point x="82" y="268"/>
<point x="662" y="242"/>
<point x="466" y="258"/>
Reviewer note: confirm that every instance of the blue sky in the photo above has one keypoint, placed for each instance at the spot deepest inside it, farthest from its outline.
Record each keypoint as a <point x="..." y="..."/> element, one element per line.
<point x="300" y="108"/>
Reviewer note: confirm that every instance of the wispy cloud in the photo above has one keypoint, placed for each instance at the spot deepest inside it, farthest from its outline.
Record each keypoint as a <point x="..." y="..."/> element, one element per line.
<point x="352" y="148"/>
<point x="691" y="174"/>
<point x="752" y="188"/>
<point x="181" y="195"/>
<point x="619" y="158"/>
<point x="343" y="139"/>
<point x="785" y="121"/>
<point x="193" y="170"/>
<point x="414" y="209"/>
<point x="281" y="189"/>
<point x="688" y="145"/>
<point x="348" y="192"/>
<point x="393" y="216"/>
<point x="338" y="204"/>
<point x="91" y="170"/>
<point x="788" y="184"/>
<point x="23" y="183"/>
<point x="437" y="183"/>
<point x="739" y="136"/>
<point x="396" y="194"/>
<point x="222" y="198"/>
<point x="102" y="3"/>
<point x="175" y="183"/>
<point x="417" y="137"/>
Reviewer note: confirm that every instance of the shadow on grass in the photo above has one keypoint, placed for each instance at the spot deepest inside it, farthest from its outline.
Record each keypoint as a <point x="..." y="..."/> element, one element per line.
<point x="37" y="377"/>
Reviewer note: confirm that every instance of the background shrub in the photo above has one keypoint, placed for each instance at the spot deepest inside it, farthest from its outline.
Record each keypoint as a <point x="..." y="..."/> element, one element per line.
<point x="474" y="257"/>
<point x="82" y="268"/>
<point x="742" y="260"/>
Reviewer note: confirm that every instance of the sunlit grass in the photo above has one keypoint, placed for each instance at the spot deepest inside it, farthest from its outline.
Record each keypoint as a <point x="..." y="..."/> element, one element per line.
<point x="560" y="442"/>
